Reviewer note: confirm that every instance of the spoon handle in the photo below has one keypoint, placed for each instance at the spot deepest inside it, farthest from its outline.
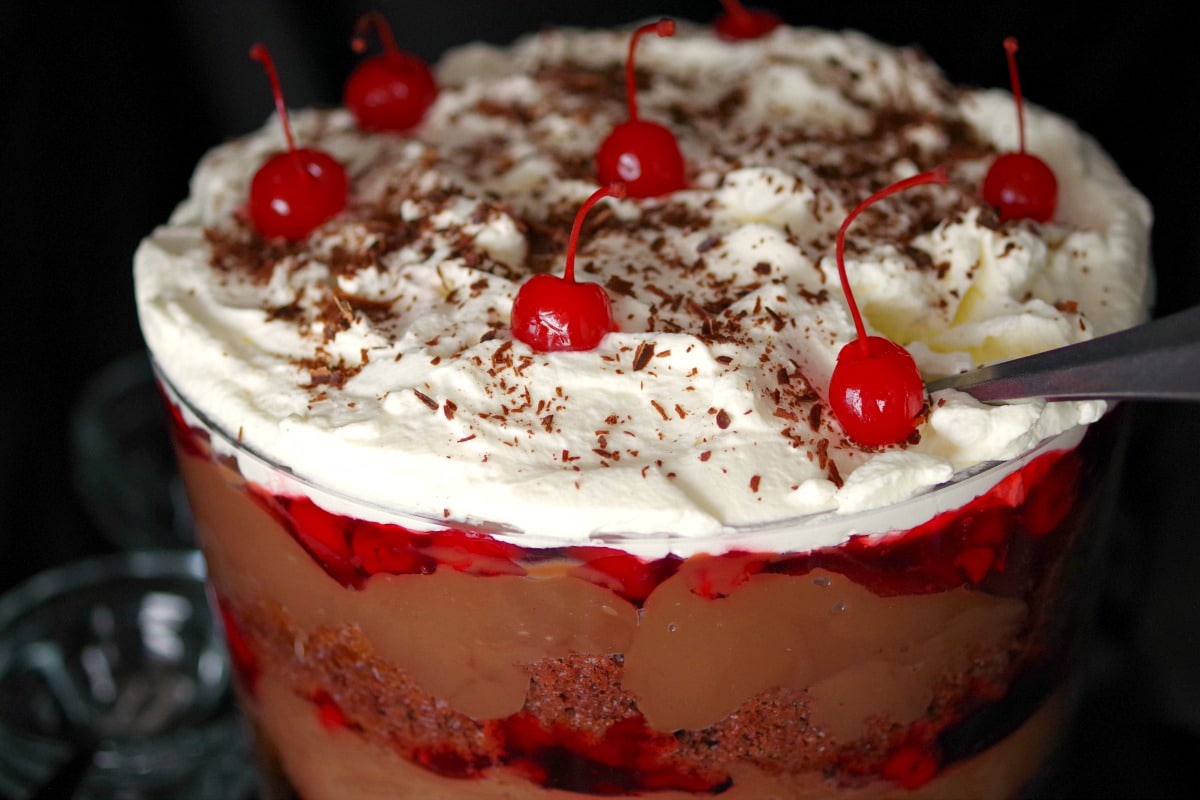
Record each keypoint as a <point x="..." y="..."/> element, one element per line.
<point x="1156" y="361"/>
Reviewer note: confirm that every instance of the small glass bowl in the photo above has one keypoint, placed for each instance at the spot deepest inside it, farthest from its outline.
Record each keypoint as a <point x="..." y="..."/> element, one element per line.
<point x="114" y="667"/>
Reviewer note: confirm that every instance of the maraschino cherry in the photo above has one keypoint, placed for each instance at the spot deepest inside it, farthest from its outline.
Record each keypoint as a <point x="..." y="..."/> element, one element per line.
<point x="391" y="91"/>
<point x="294" y="191"/>
<point x="644" y="155"/>
<point x="551" y="313"/>
<point x="739" y="22"/>
<point x="876" y="391"/>
<point x="1020" y="185"/>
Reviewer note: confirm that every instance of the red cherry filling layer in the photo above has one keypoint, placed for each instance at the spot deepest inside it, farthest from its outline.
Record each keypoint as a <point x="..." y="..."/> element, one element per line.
<point x="968" y="546"/>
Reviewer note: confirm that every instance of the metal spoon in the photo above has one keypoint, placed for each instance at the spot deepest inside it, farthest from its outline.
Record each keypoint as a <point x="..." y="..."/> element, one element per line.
<point x="1159" y="360"/>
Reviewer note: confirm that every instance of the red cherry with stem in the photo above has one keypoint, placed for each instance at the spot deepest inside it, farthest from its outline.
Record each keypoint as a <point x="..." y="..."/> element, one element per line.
<point x="739" y="22"/>
<point x="295" y="191"/>
<point x="551" y="313"/>
<point x="1020" y="185"/>
<point x="876" y="391"/>
<point x="391" y="91"/>
<point x="643" y="155"/>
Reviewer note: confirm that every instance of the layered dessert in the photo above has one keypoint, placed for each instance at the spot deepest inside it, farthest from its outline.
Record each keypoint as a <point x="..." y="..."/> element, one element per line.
<point x="452" y="564"/>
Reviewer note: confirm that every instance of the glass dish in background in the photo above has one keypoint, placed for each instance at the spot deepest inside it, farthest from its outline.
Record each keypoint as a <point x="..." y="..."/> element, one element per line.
<point x="113" y="669"/>
<point x="124" y="471"/>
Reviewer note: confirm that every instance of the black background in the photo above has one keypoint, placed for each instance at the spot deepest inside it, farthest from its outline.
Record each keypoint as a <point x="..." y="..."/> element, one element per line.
<point x="105" y="107"/>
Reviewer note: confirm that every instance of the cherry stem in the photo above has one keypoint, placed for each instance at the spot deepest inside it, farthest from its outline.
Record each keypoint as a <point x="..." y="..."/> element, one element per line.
<point x="935" y="175"/>
<point x="259" y="53"/>
<point x="1010" y="47"/>
<point x="664" y="27"/>
<point x="615" y="189"/>
<point x="735" y="10"/>
<point x="382" y="29"/>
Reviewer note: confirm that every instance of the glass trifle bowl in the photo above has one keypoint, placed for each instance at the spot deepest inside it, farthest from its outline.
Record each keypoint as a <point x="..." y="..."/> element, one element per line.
<point x="386" y="654"/>
<point x="455" y="563"/>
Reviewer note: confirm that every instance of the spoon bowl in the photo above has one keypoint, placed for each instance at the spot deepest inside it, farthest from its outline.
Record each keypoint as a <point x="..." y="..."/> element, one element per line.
<point x="1159" y="360"/>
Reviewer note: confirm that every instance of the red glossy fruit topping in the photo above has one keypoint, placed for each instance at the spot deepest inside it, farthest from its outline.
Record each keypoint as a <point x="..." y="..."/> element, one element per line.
<point x="910" y="766"/>
<point x="1052" y="495"/>
<point x="380" y="550"/>
<point x="739" y="22"/>
<point x="325" y="536"/>
<point x="970" y="545"/>
<point x="718" y="576"/>
<point x="351" y="551"/>
<point x="627" y="575"/>
<point x="1020" y="185"/>
<point x="391" y="91"/>
<point x="981" y="539"/>
<point x="450" y="763"/>
<point x="297" y="190"/>
<point x="474" y="554"/>
<point x="628" y="757"/>
<point x="329" y="712"/>
<point x="644" y="155"/>
<point x="190" y="441"/>
<point x="241" y="656"/>
<point x="551" y="313"/>
<point x="876" y="391"/>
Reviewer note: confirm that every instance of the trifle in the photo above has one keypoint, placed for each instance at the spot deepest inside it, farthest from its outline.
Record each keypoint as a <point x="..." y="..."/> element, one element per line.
<point x="455" y="560"/>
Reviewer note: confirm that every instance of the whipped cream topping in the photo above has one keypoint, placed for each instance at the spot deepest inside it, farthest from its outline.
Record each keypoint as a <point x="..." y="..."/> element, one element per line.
<point x="374" y="359"/>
